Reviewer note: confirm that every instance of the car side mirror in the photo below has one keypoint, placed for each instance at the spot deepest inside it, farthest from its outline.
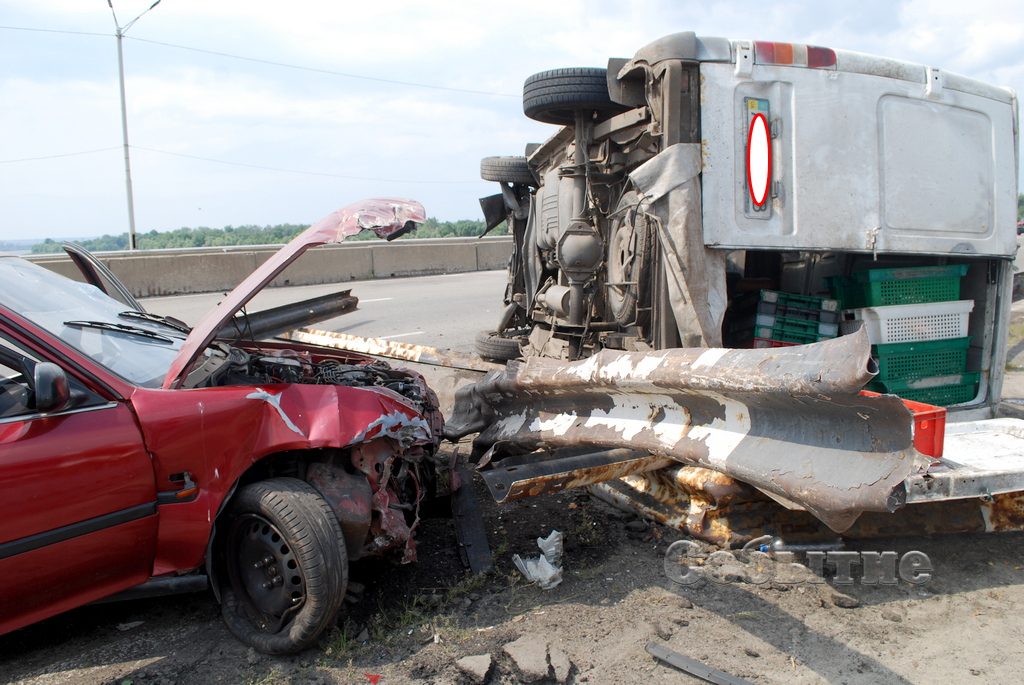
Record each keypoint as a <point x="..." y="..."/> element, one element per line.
<point x="50" y="383"/>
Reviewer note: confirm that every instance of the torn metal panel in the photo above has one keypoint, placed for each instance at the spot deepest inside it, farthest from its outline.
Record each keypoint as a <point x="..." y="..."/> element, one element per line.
<point x="787" y="421"/>
<point x="695" y="274"/>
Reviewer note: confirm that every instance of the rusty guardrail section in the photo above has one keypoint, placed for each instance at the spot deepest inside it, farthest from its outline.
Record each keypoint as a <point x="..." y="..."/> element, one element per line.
<point x="787" y="421"/>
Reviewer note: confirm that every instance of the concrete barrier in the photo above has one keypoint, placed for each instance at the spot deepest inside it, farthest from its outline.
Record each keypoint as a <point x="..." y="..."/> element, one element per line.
<point x="150" y="273"/>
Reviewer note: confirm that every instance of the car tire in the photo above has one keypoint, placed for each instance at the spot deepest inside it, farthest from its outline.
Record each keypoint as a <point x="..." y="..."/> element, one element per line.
<point x="493" y="347"/>
<point x="282" y="528"/>
<point x="507" y="170"/>
<point x="554" y="96"/>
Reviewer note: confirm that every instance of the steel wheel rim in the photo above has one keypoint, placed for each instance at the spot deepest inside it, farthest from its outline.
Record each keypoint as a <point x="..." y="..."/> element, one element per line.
<point x="265" y="572"/>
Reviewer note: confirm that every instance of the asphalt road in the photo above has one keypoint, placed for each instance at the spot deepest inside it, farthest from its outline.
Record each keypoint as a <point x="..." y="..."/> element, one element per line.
<point x="443" y="311"/>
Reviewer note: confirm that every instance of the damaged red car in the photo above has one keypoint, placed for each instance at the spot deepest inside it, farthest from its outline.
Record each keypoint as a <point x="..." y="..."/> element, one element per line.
<point x="137" y="455"/>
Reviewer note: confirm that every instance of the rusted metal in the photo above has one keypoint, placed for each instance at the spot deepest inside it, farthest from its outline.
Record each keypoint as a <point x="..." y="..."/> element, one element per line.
<point x="378" y="347"/>
<point x="742" y="517"/>
<point x="350" y="499"/>
<point x="692" y="666"/>
<point x="787" y="421"/>
<point x="518" y="477"/>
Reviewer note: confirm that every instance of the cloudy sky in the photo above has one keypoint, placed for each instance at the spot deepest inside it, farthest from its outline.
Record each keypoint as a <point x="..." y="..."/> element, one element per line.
<point x="394" y="98"/>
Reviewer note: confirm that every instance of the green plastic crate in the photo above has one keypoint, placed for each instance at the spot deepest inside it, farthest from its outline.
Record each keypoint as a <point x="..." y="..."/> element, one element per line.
<point x="960" y="388"/>
<point x="799" y="301"/>
<point x="907" y="285"/>
<point x="788" y="333"/>
<point x="925" y="359"/>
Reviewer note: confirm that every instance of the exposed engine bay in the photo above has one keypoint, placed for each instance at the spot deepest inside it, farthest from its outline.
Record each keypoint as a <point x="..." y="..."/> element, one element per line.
<point x="230" y="365"/>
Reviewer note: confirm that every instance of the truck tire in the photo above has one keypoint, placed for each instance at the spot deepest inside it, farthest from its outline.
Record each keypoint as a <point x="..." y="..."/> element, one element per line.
<point x="489" y="345"/>
<point x="507" y="170"/>
<point x="554" y="96"/>
<point x="287" y="567"/>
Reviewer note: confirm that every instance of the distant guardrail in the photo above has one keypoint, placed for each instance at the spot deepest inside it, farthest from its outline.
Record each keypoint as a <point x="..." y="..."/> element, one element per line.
<point x="150" y="273"/>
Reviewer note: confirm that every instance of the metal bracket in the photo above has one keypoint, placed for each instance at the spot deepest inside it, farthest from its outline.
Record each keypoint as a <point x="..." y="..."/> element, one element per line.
<point x="935" y="82"/>
<point x="744" y="58"/>
<point x="872" y="241"/>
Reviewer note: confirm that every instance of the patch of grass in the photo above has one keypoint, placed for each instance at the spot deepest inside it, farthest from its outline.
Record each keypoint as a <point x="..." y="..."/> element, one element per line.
<point x="342" y="645"/>
<point x="585" y="529"/>
<point x="470" y="583"/>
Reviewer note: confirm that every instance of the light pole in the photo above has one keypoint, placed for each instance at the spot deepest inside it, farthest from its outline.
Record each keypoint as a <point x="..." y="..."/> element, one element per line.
<point x="132" y="245"/>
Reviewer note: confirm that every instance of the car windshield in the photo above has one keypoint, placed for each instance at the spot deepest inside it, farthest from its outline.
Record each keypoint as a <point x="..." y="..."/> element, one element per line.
<point x="138" y="350"/>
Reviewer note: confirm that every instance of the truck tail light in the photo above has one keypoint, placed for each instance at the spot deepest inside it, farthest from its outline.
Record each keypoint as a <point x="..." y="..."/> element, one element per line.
<point x="794" y="54"/>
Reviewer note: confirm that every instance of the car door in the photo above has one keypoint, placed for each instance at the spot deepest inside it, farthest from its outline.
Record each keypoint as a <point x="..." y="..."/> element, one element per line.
<point x="77" y="496"/>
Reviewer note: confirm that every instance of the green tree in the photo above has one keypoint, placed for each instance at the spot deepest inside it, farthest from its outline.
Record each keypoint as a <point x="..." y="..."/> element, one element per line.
<point x="279" y="234"/>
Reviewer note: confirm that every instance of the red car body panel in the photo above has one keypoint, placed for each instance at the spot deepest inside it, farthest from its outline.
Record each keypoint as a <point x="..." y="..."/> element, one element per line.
<point x="89" y="504"/>
<point x="218" y="433"/>
<point x="56" y="578"/>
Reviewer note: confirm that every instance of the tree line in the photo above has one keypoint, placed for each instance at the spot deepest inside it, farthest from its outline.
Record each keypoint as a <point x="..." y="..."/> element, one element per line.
<point x="253" y="235"/>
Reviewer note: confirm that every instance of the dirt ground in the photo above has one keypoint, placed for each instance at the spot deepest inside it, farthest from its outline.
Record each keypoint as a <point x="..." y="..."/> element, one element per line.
<point x="415" y="622"/>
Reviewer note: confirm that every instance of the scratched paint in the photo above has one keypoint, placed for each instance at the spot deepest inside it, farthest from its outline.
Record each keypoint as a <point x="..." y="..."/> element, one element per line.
<point x="275" y="402"/>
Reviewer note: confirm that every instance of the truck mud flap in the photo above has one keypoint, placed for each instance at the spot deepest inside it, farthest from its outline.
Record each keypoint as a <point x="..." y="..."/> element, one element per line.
<point x="786" y="421"/>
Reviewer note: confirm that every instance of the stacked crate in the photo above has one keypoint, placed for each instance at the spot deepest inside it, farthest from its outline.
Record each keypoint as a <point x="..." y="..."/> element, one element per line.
<point x="769" y="318"/>
<point x="918" y="329"/>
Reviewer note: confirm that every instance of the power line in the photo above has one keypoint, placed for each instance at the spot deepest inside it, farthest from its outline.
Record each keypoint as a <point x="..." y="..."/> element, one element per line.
<point x="330" y="72"/>
<point x="65" y="154"/>
<point x="283" y="65"/>
<point x="73" y="33"/>
<point x="296" y="171"/>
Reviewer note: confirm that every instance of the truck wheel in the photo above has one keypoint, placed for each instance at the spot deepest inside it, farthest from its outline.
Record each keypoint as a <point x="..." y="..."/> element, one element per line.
<point x="287" y="568"/>
<point x="494" y="347"/>
<point x="554" y="96"/>
<point x="507" y="170"/>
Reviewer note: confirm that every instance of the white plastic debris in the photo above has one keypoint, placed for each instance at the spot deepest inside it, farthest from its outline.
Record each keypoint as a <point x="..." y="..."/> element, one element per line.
<point x="545" y="570"/>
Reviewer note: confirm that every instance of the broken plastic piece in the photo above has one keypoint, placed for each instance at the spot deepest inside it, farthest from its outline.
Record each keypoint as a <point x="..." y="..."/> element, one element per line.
<point x="545" y="570"/>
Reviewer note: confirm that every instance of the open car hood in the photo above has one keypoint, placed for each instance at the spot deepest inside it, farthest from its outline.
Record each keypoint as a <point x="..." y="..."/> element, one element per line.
<point x="388" y="218"/>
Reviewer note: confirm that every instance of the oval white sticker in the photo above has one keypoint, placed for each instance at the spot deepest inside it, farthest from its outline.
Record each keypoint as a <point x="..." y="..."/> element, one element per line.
<point x="759" y="160"/>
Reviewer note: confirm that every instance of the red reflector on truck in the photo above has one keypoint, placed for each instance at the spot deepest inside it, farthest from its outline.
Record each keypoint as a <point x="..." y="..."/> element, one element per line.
<point x="759" y="159"/>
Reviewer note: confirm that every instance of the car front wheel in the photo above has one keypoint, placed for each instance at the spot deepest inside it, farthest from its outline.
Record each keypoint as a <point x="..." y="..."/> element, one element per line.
<point x="287" y="568"/>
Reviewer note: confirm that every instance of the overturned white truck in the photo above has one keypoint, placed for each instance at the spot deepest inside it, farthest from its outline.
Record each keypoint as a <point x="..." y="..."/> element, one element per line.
<point x="710" y="195"/>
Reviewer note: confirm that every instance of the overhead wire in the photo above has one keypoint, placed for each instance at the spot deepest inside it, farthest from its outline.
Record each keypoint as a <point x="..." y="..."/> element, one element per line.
<point x="257" y="60"/>
<point x="274" y="63"/>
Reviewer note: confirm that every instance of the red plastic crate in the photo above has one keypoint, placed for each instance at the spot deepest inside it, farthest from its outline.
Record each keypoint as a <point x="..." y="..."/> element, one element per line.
<point x="929" y="425"/>
<point x="764" y="343"/>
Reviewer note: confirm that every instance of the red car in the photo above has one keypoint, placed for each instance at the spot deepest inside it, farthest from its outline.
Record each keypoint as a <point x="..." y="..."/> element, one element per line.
<point x="139" y="455"/>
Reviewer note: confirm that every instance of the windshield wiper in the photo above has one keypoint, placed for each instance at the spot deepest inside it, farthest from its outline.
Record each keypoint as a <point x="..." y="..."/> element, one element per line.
<point x="120" y="328"/>
<point x="168" y="321"/>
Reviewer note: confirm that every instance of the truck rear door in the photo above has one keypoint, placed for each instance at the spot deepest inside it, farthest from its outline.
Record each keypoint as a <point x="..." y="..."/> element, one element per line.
<point x="867" y="154"/>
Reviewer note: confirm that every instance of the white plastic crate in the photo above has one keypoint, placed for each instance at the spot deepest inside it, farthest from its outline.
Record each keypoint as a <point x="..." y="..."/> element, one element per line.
<point x="910" y="322"/>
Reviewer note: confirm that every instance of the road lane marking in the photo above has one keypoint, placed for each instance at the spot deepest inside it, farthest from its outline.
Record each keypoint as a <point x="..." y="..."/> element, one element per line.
<point x="399" y="335"/>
